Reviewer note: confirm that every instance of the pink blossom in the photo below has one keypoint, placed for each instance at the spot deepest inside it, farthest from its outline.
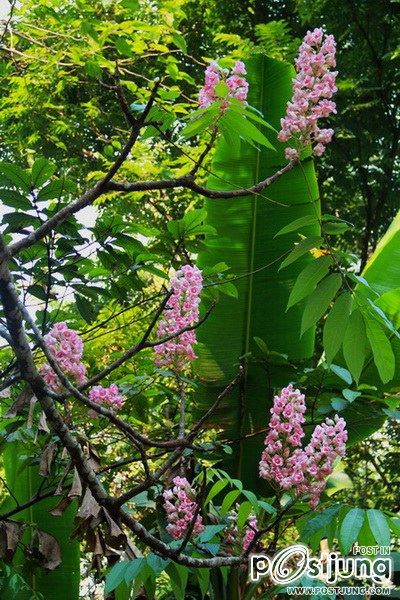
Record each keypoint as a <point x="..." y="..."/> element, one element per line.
<point x="313" y="87"/>
<point x="106" y="395"/>
<point x="239" y="68"/>
<point x="180" y="509"/>
<point x="67" y="348"/>
<point x="250" y="532"/>
<point x="182" y="310"/>
<point x="303" y="470"/>
<point x="238" y="86"/>
<point x="274" y="461"/>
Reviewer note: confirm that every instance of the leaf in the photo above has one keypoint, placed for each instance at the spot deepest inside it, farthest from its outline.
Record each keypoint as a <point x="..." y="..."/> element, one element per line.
<point x="319" y="301"/>
<point x="243" y="513"/>
<point x="342" y="373"/>
<point x="228" y="501"/>
<point x="123" y="46"/>
<point x="156" y="563"/>
<point x="244" y="241"/>
<point x="15" y="199"/>
<point x="298" y="224"/>
<point x="394" y="524"/>
<point x="379" y="526"/>
<point x="350" y="528"/>
<point x="46" y="460"/>
<point x="178" y="576"/>
<point x="335" y="325"/>
<point x="132" y="569"/>
<point x="216" y="489"/>
<point x="381" y="350"/>
<point x="335" y="228"/>
<point x="245" y="129"/>
<point x="85" y="308"/>
<point x="336" y="482"/>
<point x="209" y="532"/>
<point x="42" y="170"/>
<point x="200" y="123"/>
<point x="389" y="302"/>
<point x="261" y="344"/>
<point x="339" y="404"/>
<point x="179" y="42"/>
<point x="55" y="189"/>
<point x="229" y="289"/>
<point x="49" y="549"/>
<point x="10" y="534"/>
<point x="17" y="176"/>
<point x="350" y="395"/>
<point x="300" y="249"/>
<point x="93" y="68"/>
<point x="116" y="576"/>
<point x="319" y="521"/>
<point x="203" y="577"/>
<point x="354" y="344"/>
<point x="132" y="5"/>
<point x="308" y="279"/>
<point x="221" y="89"/>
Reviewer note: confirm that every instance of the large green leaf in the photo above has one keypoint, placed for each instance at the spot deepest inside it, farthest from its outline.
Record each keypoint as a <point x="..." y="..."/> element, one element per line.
<point x="24" y="481"/>
<point x="382" y="273"/>
<point x="246" y="230"/>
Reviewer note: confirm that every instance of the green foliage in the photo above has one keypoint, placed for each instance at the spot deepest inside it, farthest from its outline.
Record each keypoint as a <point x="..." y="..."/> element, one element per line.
<point x="62" y="128"/>
<point x="346" y="526"/>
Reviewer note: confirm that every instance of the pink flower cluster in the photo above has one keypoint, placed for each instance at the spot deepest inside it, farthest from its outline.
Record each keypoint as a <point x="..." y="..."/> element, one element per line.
<point x="67" y="348"/>
<point x="315" y="463"/>
<point x="313" y="88"/>
<point x="285" y="462"/>
<point x="107" y="395"/>
<point x="238" y="86"/>
<point x="182" y="310"/>
<point x="180" y="509"/>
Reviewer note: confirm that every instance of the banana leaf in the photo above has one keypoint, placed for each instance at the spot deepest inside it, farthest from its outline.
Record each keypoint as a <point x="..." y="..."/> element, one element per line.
<point x="382" y="273"/>
<point x="246" y="242"/>
<point x="24" y="480"/>
<point x="382" y="270"/>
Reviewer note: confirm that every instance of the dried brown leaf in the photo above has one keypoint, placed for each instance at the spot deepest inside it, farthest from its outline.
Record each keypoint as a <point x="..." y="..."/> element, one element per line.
<point x="116" y="538"/>
<point x="17" y="407"/>
<point x="46" y="460"/>
<point x="32" y="402"/>
<point x="10" y="534"/>
<point x="62" y="505"/>
<point x="43" y="424"/>
<point x="76" y="487"/>
<point x="49" y="550"/>
<point x="89" y="507"/>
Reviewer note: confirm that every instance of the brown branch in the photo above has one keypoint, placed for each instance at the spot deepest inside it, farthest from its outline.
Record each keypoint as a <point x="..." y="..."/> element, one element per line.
<point x="103" y="186"/>
<point x="186" y="181"/>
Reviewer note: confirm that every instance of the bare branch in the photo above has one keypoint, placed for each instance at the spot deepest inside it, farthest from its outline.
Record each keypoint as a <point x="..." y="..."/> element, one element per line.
<point x="103" y="186"/>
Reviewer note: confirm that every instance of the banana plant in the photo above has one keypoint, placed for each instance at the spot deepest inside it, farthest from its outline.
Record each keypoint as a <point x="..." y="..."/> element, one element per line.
<point x="380" y="286"/>
<point x="59" y="578"/>
<point x="255" y="319"/>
